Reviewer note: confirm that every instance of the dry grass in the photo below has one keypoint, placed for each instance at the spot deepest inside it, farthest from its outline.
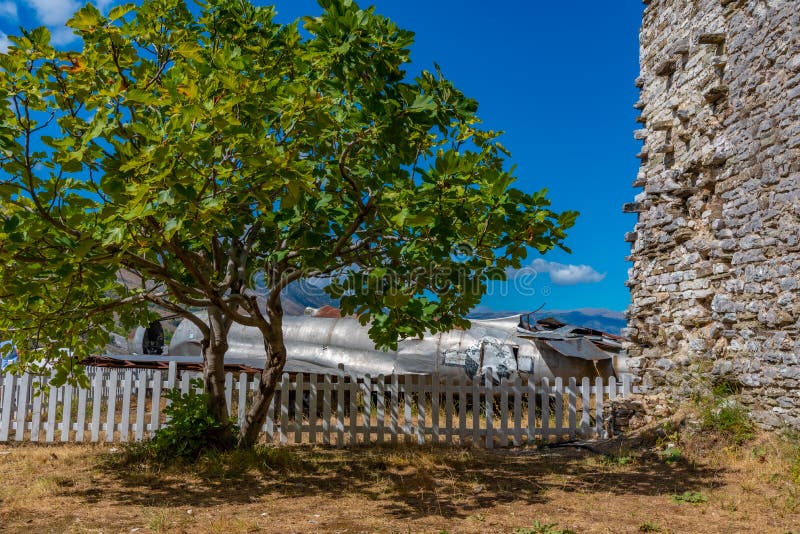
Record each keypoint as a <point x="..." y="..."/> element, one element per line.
<point x="84" y="488"/>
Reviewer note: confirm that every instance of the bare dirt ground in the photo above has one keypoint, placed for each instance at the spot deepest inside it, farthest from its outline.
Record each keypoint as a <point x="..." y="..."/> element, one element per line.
<point x="697" y="486"/>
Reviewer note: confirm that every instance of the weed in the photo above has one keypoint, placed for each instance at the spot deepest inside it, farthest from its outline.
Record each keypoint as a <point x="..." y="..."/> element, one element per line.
<point x="691" y="497"/>
<point x="649" y="526"/>
<point x="728" y="417"/>
<point x="726" y="388"/>
<point x="759" y="453"/>
<point x="158" y="521"/>
<point x="542" y="528"/>
<point x="671" y="455"/>
<point x="730" y="506"/>
<point x="620" y="458"/>
<point x="794" y="470"/>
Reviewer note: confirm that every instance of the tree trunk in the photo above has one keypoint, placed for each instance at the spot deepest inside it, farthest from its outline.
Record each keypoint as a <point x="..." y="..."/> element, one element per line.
<point x="214" y="349"/>
<point x="270" y="375"/>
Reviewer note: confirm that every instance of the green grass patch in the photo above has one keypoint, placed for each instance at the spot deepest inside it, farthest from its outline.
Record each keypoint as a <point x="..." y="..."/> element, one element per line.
<point x="690" y="497"/>
<point x="542" y="528"/>
<point x="723" y="414"/>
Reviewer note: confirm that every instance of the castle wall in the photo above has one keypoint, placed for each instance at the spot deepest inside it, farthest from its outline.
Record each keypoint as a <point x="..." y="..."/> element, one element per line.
<point x="715" y="282"/>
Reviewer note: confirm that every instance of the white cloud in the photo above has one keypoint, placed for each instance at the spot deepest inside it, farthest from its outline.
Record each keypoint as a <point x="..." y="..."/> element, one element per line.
<point x="565" y="274"/>
<point x="61" y="35"/>
<point x="4" y="43"/>
<point x="102" y="5"/>
<point x="8" y="9"/>
<point x="54" y="12"/>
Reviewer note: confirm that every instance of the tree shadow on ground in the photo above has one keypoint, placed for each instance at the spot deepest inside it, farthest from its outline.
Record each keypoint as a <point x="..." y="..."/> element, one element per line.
<point x="411" y="482"/>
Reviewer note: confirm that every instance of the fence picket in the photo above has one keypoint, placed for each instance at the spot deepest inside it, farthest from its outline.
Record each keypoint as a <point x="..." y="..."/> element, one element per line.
<point x="504" y="412"/>
<point x="516" y="388"/>
<point x="408" y="383"/>
<point x="340" y="407"/>
<point x="381" y="407"/>
<point x="66" y="419"/>
<point x="155" y="405"/>
<point x="22" y="405"/>
<point x="141" y="399"/>
<point x="127" y="385"/>
<point x="545" y="394"/>
<point x="111" y="405"/>
<point x="559" y="407"/>
<point x="36" y="420"/>
<point x="228" y="391"/>
<point x="462" y="411"/>
<point x="476" y="413"/>
<point x="489" y="407"/>
<point x="573" y="406"/>
<point x="598" y="406"/>
<point x="586" y="395"/>
<point x="326" y="410"/>
<point x="531" y="395"/>
<point x="97" y="405"/>
<point x="297" y="425"/>
<point x="312" y="408"/>
<point x="172" y="376"/>
<point x="81" y="416"/>
<point x="394" y="402"/>
<point x="272" y="412"/>
<point x="353" y="388"/>
<point x="448" y="410"/>
<point x="282" y="429"/>
<point x="52" y="400"/>
<point x="366" y="393"/>
<point x="242" y="405"/>
<point x="421" y="409"/>
<point x="5" y="409"/>
<point x="435" y="408"/>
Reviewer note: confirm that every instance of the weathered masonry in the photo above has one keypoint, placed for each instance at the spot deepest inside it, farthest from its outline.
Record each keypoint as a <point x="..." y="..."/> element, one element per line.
<point x="716" y="247"/>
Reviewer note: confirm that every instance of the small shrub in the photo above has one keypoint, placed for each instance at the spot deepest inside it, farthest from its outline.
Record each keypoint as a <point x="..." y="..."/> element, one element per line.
<point x="191" y="430"/>
<point x="691" y="497"/>
<point x="671" y="455"/>
<point x="726" y="416"/>
<point x="620" y="458"/>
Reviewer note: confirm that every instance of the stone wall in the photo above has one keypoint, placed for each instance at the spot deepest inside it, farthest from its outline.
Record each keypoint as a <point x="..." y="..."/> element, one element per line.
<point x="715" y="282"/>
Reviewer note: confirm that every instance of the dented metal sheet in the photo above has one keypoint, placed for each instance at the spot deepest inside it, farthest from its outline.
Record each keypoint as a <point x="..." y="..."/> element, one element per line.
<point x="578" y="348"/>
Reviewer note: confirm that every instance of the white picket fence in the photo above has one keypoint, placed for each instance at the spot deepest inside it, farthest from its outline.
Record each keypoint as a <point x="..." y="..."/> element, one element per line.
<point x="127" y="404"/>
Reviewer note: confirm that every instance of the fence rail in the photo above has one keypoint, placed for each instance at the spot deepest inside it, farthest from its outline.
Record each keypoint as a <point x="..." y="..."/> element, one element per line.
<point x="127" y="404"/>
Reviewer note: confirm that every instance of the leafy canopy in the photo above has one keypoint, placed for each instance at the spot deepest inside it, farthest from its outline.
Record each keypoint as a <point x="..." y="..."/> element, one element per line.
<point x="192" y="152"/>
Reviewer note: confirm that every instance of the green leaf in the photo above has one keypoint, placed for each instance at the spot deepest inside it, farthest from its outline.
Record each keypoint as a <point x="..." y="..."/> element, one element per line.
<point x="87" y="18"/>
<point x="40" y="37"/>
<point x="420" y="219"/>
<point x="399" y="219"/>
<point x="114" y="236"/>
<point x="11" y="224"/>
<point x="120" y="11"/>
<point x="422" y="103"/>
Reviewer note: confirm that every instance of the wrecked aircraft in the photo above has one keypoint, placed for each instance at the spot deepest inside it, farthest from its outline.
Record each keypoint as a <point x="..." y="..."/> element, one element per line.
<point x="507" y="347"/>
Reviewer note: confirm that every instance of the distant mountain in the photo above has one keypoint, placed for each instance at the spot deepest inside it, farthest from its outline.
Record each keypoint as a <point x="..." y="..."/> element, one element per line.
<point x="299" y="296"/>
<point x="296" y="298"/>
<point x="597" y="318"/>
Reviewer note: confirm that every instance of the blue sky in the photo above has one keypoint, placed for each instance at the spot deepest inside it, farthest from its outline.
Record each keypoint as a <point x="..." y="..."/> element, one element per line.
<point x="557" y="77"/>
